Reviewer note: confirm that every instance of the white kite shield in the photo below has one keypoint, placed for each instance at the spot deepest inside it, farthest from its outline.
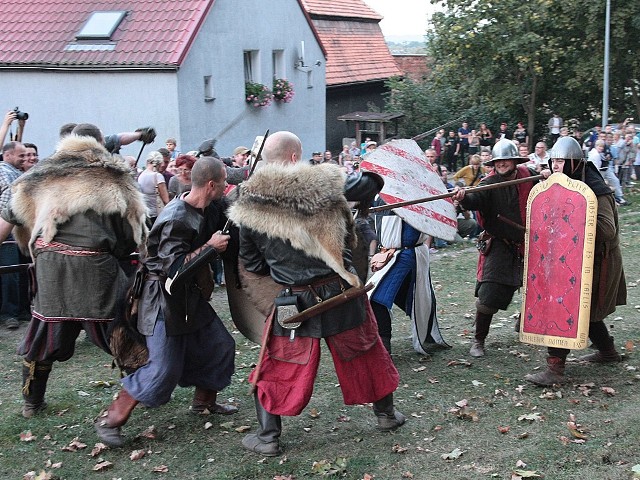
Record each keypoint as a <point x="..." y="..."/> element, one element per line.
<point x="408" y="175"/>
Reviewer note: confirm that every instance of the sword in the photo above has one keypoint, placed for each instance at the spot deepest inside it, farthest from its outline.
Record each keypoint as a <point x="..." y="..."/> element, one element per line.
<point x="349" y="294"/>
<point x="493" y="186"/>
<point x="227" y="225"/>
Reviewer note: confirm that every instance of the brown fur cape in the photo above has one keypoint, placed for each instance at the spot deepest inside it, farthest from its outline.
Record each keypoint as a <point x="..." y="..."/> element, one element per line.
<point x="80" y="176"/>
<point x="302" y="204"/>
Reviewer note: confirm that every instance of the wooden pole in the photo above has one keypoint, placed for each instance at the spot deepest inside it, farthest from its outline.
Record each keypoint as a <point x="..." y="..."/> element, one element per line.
<point x="481" y="188"/>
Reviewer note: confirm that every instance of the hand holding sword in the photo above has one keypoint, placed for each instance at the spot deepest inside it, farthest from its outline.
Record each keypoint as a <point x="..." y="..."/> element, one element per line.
<point x="227" y="225"/>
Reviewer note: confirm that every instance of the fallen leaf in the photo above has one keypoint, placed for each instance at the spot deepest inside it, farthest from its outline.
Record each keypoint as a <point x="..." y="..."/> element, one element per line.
<point x="314" y="413"/>
<point x="150" y="433"/>
<point x="98" y="449"/>
<point x="74" y="446"/>
<point x="160" y="469"/>
<point x="344" y="418"/>
<point x="102" y="466"/>
<point x="437" y="428"/>
<point x="367" y="477"/>
<point x="242" y="428"/>
<point x="608" y="391"/>
<point x="523" y="435"/>
<point x="476" y="383"/>
<point x="531" y="417"/>
<point x="433" y="380"/>
<point x="526" y="473"/>
<point x="407" y="475"/>
<point x="504" y="429"/>
<point x="452" y="455"/>
<point x="462" y="403"/>
<point x="137" y="454"/>
<point x="419" y="369"/>
<point x="208" y="425"/>
<point x="27" y="436"/>
<point x="283" y="460"/>
<point x="398" y="449"/>
<point x="227" y="425"/>
<point x="102" y="383"/>
<point x="521" y="464"/>
<point x="629" y="346"/>
<point x="282" y="477"/>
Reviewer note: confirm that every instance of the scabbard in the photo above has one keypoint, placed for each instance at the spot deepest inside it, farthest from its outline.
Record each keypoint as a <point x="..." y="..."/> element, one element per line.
<point x="328" y="304"/>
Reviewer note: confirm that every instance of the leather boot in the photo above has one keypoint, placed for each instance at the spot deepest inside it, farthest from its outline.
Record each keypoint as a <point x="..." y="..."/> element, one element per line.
<point x="204" y="402"/>
<point x="601" y="339"/>
<point x="388" y="417"/>
<point x="108" y="423"/>
<point x="34" y="386"/>
<point x="554" y="374"/>
<point x="266" y="441"/>
<point x="483" y="322"/>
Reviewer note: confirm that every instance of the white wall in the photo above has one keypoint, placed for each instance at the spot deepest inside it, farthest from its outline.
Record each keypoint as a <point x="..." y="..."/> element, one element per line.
<point x="114" y="101"/>
<point x="231" y="28"/>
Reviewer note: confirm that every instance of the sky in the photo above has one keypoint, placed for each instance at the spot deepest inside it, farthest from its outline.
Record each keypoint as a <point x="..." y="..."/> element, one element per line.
<point x="403" y="17"/>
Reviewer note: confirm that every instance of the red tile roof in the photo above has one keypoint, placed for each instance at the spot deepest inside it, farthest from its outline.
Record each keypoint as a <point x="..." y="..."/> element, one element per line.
<point x="341" y="8"/>
<point x="356" y="52"/>
<point x="416" y="67"/>
<point x="155" y="33"/>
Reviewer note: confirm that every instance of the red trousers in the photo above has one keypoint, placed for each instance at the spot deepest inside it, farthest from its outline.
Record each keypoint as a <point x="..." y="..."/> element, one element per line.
<point x="364" y="368"/>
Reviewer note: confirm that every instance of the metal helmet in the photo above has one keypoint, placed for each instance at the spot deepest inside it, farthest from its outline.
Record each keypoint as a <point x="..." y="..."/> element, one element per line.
<point x="505" y="150"/>
<point x="567" y="148"/>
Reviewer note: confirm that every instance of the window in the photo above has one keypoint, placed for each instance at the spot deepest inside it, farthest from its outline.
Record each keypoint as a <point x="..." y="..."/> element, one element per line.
<point x="208" y="89"/>
<point x="279" y="70"/>
<point x="101" y="25"/>
<point x="251" y="66"/>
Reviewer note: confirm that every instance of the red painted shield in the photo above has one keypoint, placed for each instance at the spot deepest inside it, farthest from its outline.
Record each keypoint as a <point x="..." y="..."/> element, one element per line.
<point x="407" y="176"/>
<point x="558" y="269"/>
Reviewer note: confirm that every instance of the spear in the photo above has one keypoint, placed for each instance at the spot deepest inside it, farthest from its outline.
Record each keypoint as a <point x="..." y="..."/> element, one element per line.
<point x="481" y="188"/>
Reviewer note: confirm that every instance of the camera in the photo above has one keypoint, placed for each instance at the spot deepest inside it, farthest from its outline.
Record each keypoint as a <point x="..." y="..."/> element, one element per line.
<point x="21" y="115"/>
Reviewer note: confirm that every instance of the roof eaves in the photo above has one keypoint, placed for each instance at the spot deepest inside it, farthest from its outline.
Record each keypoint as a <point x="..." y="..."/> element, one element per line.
<point x="313" y="28"/>
<point x="201" y="18"/>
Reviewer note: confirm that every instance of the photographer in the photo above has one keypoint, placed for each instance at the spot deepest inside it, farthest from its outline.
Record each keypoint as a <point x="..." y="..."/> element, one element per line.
<point x="12" y="115"/>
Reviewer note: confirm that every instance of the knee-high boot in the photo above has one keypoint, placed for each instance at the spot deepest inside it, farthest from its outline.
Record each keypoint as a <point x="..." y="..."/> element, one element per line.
<point x="34" y="385"/>
<point x="108" y="423"/>
<point x="266" y="441"/>
<point x="388" y="417"/>
<point x="601" y="339"/>
<point x="383" y="319"/>
<point x="554" y="373"/>
<point x="483" y="322"/>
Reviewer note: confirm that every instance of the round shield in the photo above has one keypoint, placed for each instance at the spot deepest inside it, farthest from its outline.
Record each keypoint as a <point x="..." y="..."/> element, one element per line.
<point x="250" y="299"/>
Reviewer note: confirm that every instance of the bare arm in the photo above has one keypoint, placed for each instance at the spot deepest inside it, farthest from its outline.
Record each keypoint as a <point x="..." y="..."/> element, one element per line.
<point x="163" y="192"/>
<point x="5" y="229"/>
<point x="8" y="119"/>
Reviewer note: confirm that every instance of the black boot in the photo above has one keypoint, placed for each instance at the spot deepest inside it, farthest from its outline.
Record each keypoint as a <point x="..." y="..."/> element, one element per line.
<point x="483" y="322"/>
<point x="388" y="417"/>
<point x="266" y="441"/>
<point x="34" y="385"/>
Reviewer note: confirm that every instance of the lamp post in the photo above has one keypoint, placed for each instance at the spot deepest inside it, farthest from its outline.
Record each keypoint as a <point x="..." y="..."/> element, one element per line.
<point x="605" y="81"/>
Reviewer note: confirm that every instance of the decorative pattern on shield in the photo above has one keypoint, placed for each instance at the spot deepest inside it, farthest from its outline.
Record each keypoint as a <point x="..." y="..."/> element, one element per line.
<point x="408" y="175"/>
<point x="558" y="268"/>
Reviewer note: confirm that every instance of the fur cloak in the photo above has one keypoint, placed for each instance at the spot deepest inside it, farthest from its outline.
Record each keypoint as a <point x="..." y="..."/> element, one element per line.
<point x="304" y="205"/>
<point x="80" y="176"/>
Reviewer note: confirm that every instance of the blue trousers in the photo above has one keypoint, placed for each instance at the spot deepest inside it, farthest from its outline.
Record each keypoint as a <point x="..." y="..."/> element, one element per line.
<point x="202" y="359"/>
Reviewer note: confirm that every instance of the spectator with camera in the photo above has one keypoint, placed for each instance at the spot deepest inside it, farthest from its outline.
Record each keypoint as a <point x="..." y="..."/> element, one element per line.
<point x="14" y="155"/>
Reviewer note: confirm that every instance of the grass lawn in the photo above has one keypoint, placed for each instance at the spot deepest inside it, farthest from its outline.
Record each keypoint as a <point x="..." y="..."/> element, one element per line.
<point x="468" y="418"/>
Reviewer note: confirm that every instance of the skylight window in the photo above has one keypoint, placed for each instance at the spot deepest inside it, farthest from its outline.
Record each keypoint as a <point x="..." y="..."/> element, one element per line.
<point x="101" y="25"/>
